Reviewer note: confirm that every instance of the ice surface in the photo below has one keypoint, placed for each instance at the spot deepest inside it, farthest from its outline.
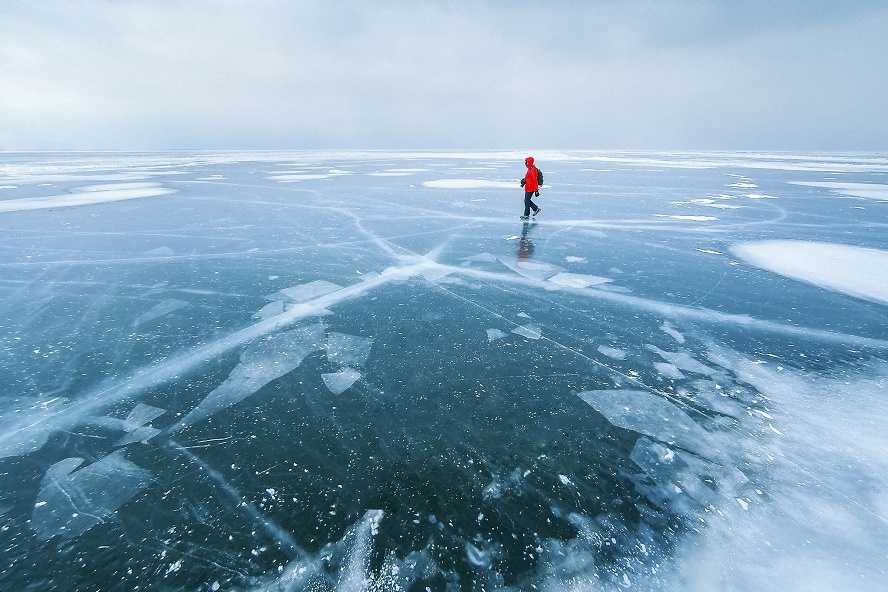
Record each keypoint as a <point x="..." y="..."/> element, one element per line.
<point x="853" y="270"/>
<point x="70" y="503"/>
<point x="728" y="434"/>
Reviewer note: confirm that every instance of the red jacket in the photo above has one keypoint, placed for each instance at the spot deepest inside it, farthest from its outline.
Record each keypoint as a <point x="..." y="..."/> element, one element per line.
<point x="530" y="179"/>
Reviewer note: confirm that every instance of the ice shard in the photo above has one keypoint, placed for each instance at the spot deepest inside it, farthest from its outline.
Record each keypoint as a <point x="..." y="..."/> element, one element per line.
<point x="71" y="502"/>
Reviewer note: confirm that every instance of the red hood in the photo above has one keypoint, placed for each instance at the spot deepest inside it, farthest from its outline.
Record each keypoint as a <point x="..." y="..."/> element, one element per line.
<point x="529" y="161"/>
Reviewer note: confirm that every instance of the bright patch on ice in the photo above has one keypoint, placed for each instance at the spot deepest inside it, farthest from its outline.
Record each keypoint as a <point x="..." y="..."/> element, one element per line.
<point x="851" y="270"/>
<point x="348" y="350"/>
<point x="866" y="190"/>
<point x="86" y="196"/>
<point x="160" y="309"/>
<point x="339" y="382"/>
<point x="612" y="352"/>
<point x="758" y="196"/>
<point x="266" y="360"/>
<point x="296" y="177"/>
<point x="652" y="415"/>
<point x="691" y="218"/>
<point x="71" y="502"/>
<point x="577" y="280"/>
<point x="574" y="259"/>
<point x="310" y="291"/>
<point x="667" y="328"/>
<point x="494" y="334"/>
<point x="529" y="331"/>
<point x="471" y="184"/>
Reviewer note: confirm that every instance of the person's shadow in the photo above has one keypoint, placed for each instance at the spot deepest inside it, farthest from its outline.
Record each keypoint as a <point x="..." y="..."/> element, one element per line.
<point x="525" y="244"/>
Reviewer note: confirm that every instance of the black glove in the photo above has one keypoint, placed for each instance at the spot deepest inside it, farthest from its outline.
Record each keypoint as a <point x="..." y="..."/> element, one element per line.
<point x="523" y="181"/>
<point x="536" y="193"/>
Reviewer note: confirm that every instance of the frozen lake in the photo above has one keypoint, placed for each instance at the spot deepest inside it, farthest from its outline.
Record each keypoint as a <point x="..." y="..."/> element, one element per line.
<point x="361" y="371"/>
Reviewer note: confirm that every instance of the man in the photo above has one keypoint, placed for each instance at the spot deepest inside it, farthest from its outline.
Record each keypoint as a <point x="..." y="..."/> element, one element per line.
<point x="531" y="183"/>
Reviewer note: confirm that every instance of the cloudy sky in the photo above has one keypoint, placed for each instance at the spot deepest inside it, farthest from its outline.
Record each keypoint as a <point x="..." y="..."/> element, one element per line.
<point x="593" y="74"/>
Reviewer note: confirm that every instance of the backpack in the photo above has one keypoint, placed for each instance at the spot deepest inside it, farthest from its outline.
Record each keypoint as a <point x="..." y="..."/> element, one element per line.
<point x="539" y="177"/>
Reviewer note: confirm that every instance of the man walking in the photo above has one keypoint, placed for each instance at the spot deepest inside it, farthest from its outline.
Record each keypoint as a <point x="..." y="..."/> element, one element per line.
<point x="531" y="183"/>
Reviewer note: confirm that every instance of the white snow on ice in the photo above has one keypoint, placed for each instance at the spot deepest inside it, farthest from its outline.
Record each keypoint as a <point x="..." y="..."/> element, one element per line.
<point x="85" y="196"/>
<point x="866" y="190"/>
<point x="855" y="271"/>
<point x="471" y="184"/>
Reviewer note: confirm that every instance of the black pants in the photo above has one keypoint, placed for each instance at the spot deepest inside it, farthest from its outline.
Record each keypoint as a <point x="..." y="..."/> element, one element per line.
<point x="528" y="203"/>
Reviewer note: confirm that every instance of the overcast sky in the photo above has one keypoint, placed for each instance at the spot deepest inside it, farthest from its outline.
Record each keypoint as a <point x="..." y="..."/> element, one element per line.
<point x="628" y="74"/>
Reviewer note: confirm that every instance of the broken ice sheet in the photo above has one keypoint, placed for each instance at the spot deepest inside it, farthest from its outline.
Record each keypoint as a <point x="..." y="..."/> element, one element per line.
<point x="652" y="415"/>
<point x="70" y="503"/>
<point x="494" y="334"/>
<point x="348" y="350"/>
<point x="310" y="291"/>
<point x="578" y="280"/>
<point x="529" y="331"/>
<point x="159" y="310"/>
<point x="339" y="382"/>
<point x="269" y="359"/>
<point x="682" y="361"/>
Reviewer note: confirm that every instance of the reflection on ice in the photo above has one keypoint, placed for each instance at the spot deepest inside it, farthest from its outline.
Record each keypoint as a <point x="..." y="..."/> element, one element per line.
<point x="71" y="502"/>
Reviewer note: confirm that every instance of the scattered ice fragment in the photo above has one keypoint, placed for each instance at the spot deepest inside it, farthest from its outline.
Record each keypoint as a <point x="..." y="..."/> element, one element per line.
<point x="339" y="382"/>
<point x="529" y="331"/>
<point x="477" y="557"/>
<point x="612" y="352"/>
<point x="161" y="251"/>
<point x="682" y="361"/>
<point x="70" y="503"/>
<point x="652" y="415"/>
<point x="565" y="480"/>
<point x="668" y="370"/>
<point x="667" y="328"/>
<point x="266" y="360"/>
<point x="348" y="350"/>
<point x="494" y="334"/>
<point x="160" y="309"/>
<point x="743" y="503"/>
<point x="574" y="259"/>
<point x="577" y="280"/>
<point x="523" y="315"/>
<point x="486" y="257"/>
<point x="305" y="292"/>
<point x="270" y="310"/>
